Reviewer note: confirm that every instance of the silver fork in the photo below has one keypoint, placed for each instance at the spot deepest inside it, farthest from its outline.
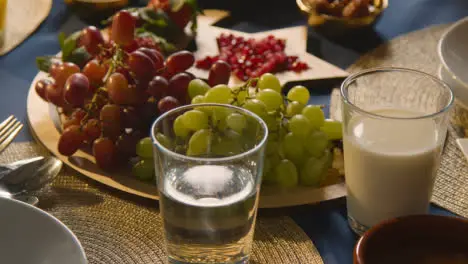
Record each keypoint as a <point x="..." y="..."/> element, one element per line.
<point x="8" y="131"/>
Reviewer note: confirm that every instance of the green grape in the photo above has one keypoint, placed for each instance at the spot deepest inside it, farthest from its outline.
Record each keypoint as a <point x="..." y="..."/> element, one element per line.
<point x="195" y="120"/>
<point x="144" y="148"/>
<point x="271" y="122"/>
<point x="226" y="147"/>
<point x="267" y="165"/>
<point x="236" y="122"/>
<point x="312" y="172"/>
<point x="294" y="108"/>
<point x="241" y="96"/>
<point x="199" y="99"/>
<point x="220" y="94"/>
<point x="315" y="115"/>
<point x="255" y="106"/>
<point x="292" y="145"/>
<point x="272" y="99"/>
<point x="231" y="134"/>
<point x="268" y="177"/>
<point x="271" y="147"/>
<point x="269" y="81"/>
<point x="219" y="116"/>
<point x="164" y="140"/>
<point x="333" y="129"/>
<point x="197" y="87"/>
<point x="298" y="158"/>
<point x="274" y="159"/>
<point x="286" y="174"/>
<point x="299" y="125"/>
<point x="180" y="130"/>
<point x="316" y="143"/>
<point x="144" y="170"/>
<point x="299" y="93"/>
<point x="199" y="143"/>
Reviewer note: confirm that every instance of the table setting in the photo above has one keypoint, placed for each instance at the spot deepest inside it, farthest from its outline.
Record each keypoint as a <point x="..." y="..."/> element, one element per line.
<point x="308" y="131"/>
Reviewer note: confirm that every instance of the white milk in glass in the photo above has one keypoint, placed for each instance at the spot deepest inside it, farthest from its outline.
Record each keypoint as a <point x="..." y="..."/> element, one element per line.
<point x="390" y="165"/>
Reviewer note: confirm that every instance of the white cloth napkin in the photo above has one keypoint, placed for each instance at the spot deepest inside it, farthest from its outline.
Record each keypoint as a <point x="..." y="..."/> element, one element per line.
<point x="22" y="18"/>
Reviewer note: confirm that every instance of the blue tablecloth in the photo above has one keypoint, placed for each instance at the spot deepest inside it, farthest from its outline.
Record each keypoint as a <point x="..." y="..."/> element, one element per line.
<point x="325" y="223"/>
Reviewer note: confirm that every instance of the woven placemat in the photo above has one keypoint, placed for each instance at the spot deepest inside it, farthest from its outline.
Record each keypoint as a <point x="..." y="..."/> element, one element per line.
<point x="23" y="17"/>
<point x="116" y="227"/>
<point x="418" y="50"/>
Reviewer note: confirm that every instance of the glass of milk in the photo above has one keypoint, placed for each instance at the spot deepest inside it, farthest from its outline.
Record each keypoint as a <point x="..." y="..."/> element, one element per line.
<point x="394" y="126"/>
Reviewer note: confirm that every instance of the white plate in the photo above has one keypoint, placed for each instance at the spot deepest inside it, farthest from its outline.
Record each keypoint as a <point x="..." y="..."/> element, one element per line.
<point x="29" y="235"/>
<point x="453" y="53"/>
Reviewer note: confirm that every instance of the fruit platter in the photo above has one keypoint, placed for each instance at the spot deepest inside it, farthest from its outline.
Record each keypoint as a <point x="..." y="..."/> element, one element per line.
<point x="92" y="104"/>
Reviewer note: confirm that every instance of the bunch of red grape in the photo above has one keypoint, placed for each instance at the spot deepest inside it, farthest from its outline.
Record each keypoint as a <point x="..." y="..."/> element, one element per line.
<point x="110" y="103"/>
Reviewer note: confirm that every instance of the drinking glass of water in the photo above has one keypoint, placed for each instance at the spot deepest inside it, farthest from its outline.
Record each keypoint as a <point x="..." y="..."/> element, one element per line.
<point x="394" y="127"/>
<point x="209" y="162"/>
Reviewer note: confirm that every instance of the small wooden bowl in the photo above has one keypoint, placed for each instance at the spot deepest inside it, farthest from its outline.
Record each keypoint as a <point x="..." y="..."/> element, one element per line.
<point x="420" y="239"/>
<point x="334" y="26"/>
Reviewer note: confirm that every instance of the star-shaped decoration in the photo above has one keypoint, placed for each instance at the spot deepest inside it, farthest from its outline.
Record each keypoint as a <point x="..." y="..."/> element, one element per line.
<point x="296" y="45"/>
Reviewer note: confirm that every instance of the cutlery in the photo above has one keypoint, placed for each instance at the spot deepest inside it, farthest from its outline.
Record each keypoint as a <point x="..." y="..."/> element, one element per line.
<point x="17" y="166"/>
<point x="30" y="177"/>
<point x="9" y="128"/>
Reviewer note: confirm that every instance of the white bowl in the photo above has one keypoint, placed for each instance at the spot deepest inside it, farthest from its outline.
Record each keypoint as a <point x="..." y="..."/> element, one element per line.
<point x="453" y="54"/>
<point x="29" y="235"/>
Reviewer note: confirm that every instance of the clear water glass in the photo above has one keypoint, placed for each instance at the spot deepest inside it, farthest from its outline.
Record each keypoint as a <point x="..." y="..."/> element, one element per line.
<point x="394" y="127"/>
<point x="209" y="198"/>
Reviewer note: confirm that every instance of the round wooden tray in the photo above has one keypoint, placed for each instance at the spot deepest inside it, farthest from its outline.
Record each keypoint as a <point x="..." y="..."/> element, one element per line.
<point x="44" y="123"/>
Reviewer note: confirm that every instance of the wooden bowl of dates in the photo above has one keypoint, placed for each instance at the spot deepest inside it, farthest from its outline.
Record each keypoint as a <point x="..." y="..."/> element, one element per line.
<point x="341" y="17"/>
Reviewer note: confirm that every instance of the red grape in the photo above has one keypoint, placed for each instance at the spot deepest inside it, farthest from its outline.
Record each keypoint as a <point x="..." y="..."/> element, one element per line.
<point x="104" y="152"/>
<point x="41" y="86"/>
<point x="141" y="65"/>
<point x="95" y="72"/>
<point x="130" y="118"/>
<point x="110" y="113"/>
<point x="119" y="90"/>
<point x="147" y="111"/>
<point x="91" y="38"/>
<point x="182" y="16"/>
<point x="53" y="70"/>
<point x="70" y="122"/>
<point x="78" y="114"/>
<point x="219" y="73"/>
<point x="178" y="85"/>
<point x="64" y="71"/>
<point x="110" y="118"/>
<point x="158" y="87"/>
<point x="71" y="140"/>
<point x="75" y="118"/>
<point x="155" y="56"/>
<point x="76" y="89"/>
<point x="126" y="145"/>
<point x="123" y="28"/>
<point x="54" y="94"/>
<point x="167" y="103"/>
<point x="92" y="129"/>
<point x="179" y="61"/>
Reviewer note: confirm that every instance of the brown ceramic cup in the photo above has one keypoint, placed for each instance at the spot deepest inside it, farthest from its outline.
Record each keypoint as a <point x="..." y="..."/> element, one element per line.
<point x="419" y="239"/>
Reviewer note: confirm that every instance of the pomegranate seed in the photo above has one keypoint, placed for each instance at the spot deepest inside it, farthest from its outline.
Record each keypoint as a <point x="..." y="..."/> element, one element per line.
<point x="252" y="58"/>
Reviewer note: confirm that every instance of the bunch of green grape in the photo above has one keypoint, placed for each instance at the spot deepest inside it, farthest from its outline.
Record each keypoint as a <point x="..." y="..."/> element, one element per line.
<point x="299" y="147"/>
